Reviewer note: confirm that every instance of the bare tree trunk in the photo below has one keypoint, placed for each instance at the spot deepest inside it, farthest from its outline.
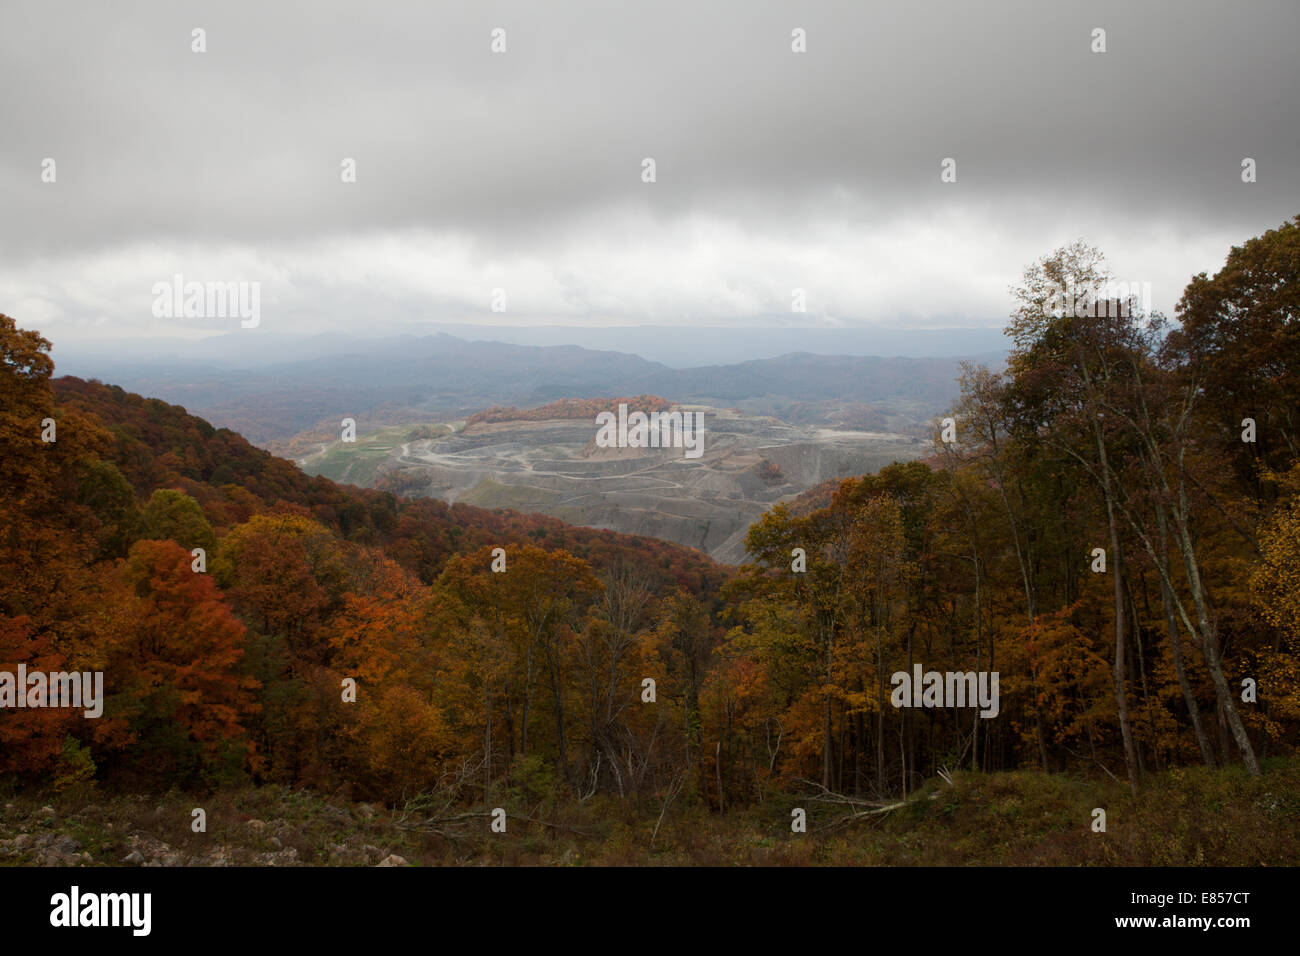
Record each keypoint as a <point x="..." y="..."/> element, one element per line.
<point x="1203" y="632"/>
<point x="558" y="690"/>
<point x="907" y="729"/>
<point x="826" y="729"/>
<point x="1140" y="655"/>
<point x="902" y="757"/>
<point x="1180" y="668"/>
<point x="859" y="733"/>
<point x="1117" y="573"/>
<point x="1210" y="634"/>
<point x="1026" y="576"/>
<point x="487" y="743"/>
<point x="880" y="713"/>
<point x="717" y="767"/>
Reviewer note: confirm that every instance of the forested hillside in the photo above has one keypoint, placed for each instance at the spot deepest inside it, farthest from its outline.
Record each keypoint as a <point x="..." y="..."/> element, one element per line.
<point x="234" y="672"/>
<point x="1110" y="525"/>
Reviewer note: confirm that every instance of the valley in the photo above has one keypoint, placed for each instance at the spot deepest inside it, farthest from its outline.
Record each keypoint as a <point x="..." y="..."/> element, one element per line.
<point x="555" y="467"/>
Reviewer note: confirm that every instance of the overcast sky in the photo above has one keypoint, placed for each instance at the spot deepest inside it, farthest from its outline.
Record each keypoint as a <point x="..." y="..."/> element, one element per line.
<point x="522" y="170"/>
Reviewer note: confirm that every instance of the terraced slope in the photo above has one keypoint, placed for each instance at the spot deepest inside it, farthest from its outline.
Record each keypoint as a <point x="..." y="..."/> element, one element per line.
<point x="555" y="467"/>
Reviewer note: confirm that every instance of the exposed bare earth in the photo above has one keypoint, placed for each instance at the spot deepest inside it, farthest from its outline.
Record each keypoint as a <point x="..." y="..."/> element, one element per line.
<point x="749" y="463"/>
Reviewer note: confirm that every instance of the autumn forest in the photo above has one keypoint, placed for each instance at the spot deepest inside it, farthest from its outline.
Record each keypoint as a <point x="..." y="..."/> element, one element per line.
<point x="1110" y="523"/>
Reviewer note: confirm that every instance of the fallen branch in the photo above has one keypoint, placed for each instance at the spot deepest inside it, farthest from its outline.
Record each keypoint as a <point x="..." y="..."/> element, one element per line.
<point x="863" y="814"/>
<point x="672" y="792"/>
<point x="1099" y="764"/>
<point x="558" y="826"/>
<point x="830" y="796"/>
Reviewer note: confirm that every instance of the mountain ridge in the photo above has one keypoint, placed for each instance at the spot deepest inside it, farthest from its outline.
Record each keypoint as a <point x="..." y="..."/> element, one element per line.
<point x="415" y="378"/>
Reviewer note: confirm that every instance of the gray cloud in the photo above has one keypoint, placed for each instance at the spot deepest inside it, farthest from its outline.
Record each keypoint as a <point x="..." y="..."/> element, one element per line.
<point x="522" y="170"/>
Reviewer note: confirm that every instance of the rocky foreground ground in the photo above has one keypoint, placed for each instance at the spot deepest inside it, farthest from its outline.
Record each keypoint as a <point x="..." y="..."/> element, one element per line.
<point x="1180" y="817"/>
<point x="137" y="832"/>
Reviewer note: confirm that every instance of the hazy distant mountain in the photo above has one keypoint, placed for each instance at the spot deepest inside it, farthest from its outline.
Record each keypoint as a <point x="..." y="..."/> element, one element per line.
<point x="439" y="374"/>
<point x="412" y="378"/>
<point x="810" y="377"/>
<point x="693" y="346"/>
<point x="674" y="346"/>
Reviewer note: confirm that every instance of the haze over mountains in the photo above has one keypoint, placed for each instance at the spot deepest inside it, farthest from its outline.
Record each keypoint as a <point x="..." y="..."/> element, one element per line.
<point x="271" y="390"/>
<point x="677" y="346"/>
<point x="777" y="425"/>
